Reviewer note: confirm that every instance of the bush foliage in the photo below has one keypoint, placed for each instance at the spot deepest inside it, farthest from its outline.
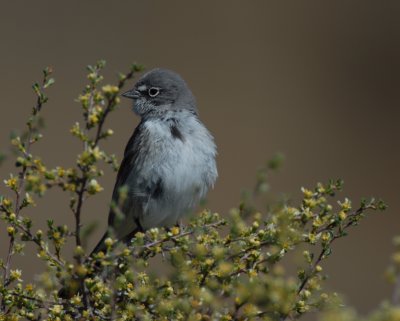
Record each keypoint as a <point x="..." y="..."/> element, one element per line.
<point x="213" y="268"/>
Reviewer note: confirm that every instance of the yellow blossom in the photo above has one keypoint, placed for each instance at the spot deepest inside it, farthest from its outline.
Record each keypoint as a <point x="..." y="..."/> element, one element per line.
<point x="110" y="90"/>
<point x="94" y="187"/>
<point x="93" y="118"/>
<point x="108" y="242"/>
<point x="342" y="215"/>
<point x="325" y="237"/>
<point x="10" y="230"/>
<point x="76" y="300"/>
<point x="318" y="268"/>
<point x="12" y="182"/>
<point x="15" y="275"/>
<point x="29" y="287"/>
<point x="6" y="202"/>
<point x="175" y="230"/>
<point x="306" y="192"/>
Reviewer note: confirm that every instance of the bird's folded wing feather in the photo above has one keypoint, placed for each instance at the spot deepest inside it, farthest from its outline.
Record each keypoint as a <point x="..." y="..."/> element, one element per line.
<point x="126" y="169"/>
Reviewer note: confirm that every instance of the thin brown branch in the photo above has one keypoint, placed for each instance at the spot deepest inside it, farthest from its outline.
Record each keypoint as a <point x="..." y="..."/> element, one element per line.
<point x="83" y="181"/>
<point x="183" y="234"/>
<point x="21" y="181"/>
<point x="325" y="249"/>
<point x="110" y="105"/>
<point x="78" y="209"/>
<point x="42" y="303"/>
<point x="40" y="245"/>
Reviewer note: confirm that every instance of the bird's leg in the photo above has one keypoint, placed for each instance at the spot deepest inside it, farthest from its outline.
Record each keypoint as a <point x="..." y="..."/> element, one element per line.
<point x="163" y="255"/>
<point x="180" y="225"/>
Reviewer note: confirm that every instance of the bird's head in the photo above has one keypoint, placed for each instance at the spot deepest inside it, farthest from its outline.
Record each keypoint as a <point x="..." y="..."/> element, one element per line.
<point x="160" y="90"/>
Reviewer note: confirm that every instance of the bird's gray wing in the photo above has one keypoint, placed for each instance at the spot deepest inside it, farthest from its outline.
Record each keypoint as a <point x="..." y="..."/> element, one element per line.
<point x="116" y="227"/>
<point x="126" y="170"/>
<point x="124" y="216"/>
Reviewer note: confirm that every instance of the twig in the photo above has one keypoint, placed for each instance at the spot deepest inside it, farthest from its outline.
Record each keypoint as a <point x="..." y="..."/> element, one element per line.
<point x="324" y="250"/>
<point x="312" y="270"/>
<point x="352" y="215"/>
<point x="43" y="303"/>
<point x="77" y="212"/>
<point x="21" y="181"/>
<point x="109" y="107"/>
<point x="183" y="234"/>
<point x="83" y="181"/>
<point x="40" y="245"/>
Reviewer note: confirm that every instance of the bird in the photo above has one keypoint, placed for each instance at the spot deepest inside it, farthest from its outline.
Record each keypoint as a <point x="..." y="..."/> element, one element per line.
<point x="169" y="162"/>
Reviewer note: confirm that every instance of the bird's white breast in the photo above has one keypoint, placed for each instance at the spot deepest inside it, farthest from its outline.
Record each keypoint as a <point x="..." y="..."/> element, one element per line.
<point x="186" y="165"/>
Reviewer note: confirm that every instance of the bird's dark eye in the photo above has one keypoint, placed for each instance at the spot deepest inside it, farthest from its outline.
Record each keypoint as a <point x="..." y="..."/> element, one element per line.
<point x="153" y="91"/>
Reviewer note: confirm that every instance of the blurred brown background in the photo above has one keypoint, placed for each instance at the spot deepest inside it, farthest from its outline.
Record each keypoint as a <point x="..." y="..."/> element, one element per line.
<point x="318" y="81"/>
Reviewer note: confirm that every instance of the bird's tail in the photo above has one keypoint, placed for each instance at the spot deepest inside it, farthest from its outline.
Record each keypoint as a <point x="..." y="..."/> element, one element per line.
<point x="101" y="246"/>
<point x="73" y="286"/>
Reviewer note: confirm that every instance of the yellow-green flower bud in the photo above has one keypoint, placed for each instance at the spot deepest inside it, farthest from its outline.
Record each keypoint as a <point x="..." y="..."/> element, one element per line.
<point x="94" y="187"/>
<point x="56" y="309"/>
<point x="81" y="270"/>
<point x="15" y="275"/>
<point x="6" y="202"/>
<point x="175" y="230"/>
<point x="108" y="242"/>
<point x="12" y="182"/>
<point x="325" y="237"/>
<point x="11" y="230"/>
<point x="79" y="251"/>
<point x="93" y="119"/>
<point x="110" y="90"/>
<point x="342" y="215"/>
<point x="76" y="300"/>
<point x="306" y="192"/>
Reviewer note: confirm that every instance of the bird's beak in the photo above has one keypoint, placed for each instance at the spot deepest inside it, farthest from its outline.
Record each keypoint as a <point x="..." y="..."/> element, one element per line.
<point x="132" y="94"/>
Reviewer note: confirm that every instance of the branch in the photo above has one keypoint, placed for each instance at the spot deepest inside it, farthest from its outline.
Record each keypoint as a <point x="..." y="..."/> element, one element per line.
<point x="183" y="234"/>
<point x="112" y="101"/>
<point x="41" y="99"/>
<point x="40" y="245"/>
<point x="325" y="249"/>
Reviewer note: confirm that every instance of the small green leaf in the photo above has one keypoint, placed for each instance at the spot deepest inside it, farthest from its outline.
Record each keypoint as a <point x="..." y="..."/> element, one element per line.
<point x="47" y="71"/>
<point x="36" y="88"/>
<point x="137" y="67"/>
<point x="49" y="82"/>
<point x="276" y="161"/>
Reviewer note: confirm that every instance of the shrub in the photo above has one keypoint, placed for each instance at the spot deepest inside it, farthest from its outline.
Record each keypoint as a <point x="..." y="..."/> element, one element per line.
<point x="213" y="268"/>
